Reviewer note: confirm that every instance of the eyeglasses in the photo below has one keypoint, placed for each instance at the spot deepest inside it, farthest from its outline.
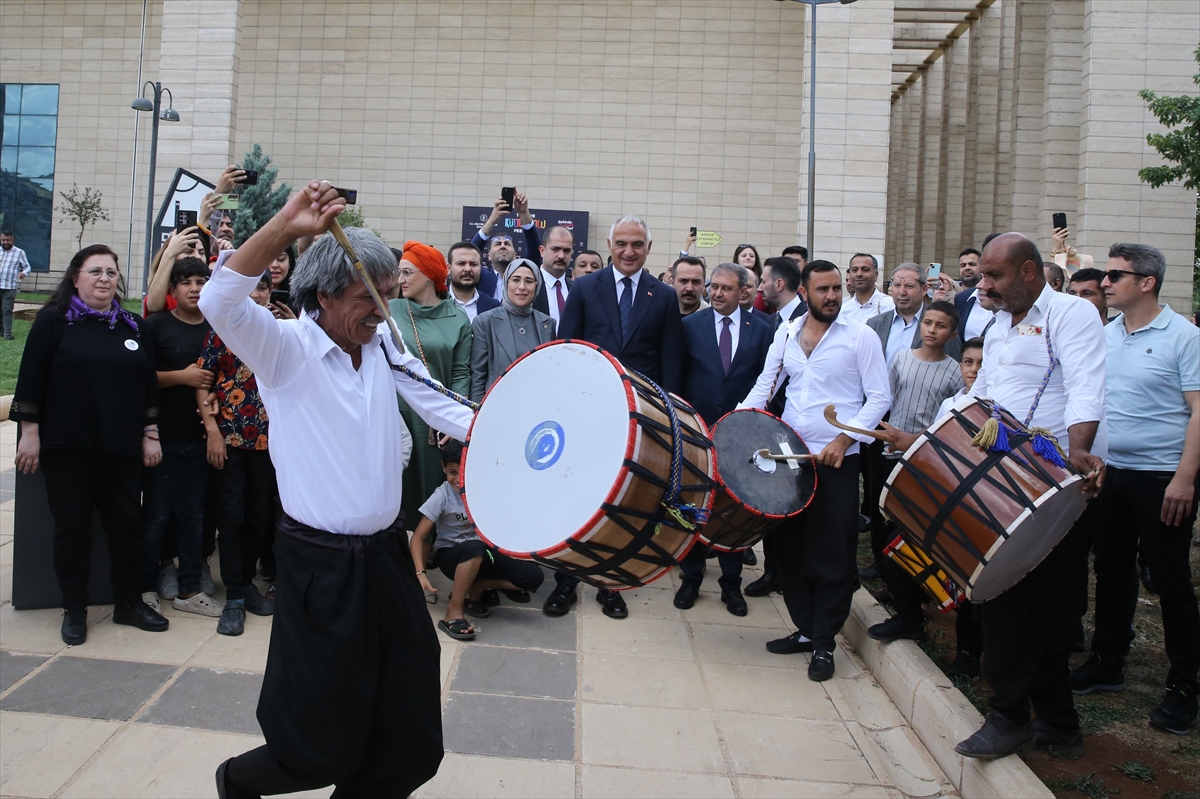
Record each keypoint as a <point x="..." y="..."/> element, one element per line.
<point x="111" y="274"/>
<point x="1114" y="275"/>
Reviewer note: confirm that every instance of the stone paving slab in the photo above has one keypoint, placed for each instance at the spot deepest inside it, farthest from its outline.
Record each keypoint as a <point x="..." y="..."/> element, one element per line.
<point x="14" y="667"/>
<point x="516" y="672"/>
<point x="509" y="726"/>
<point x="224" y="701"/>
<point x="88" y="688"/>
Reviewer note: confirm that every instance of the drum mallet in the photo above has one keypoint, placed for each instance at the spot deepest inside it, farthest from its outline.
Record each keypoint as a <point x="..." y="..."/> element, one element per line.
<point x="766" y="454"/>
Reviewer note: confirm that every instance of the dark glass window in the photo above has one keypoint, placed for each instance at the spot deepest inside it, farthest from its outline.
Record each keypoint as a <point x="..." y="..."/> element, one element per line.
<point x="28" y="132"/>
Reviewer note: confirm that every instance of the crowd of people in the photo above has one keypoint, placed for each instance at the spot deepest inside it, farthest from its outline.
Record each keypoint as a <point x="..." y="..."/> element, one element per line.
<point x="161" y="423"/>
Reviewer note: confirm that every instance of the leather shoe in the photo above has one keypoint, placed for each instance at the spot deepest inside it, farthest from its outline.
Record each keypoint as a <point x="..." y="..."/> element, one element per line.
<point x="225" y="787"/>
<point x="490" y="597"/>
<point x="560" y="601"/>
<point x="142" y="617"/>
<point x="763" y="586"/>
<point x="820" y="668"/>
<point x="611" y="604"/>
<point x="74" y="627"/>
<point x="685" y="597"/>
<point x="735" y="603"/>
<point x="789" y="645"/>
<point x="896" y="628"/>
<point x="998" y="737"/>
<point x="872" y="572"/>
<point x="749" y="558"/>
<point x="1068" y="743"/>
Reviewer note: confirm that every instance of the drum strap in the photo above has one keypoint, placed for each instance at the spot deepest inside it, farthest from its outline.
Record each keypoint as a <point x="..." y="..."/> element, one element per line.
<point x="436" y="386"/>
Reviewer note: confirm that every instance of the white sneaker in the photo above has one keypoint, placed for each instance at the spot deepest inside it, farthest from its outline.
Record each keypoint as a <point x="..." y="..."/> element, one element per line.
<point x="201" y="603"/>
<point x="207" y="586"/>
<point x="168" y="582"/>
<point x="151" y="599"/>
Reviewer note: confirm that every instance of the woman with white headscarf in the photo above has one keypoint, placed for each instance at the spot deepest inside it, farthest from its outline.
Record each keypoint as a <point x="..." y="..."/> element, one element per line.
<point x="504" y="334"/>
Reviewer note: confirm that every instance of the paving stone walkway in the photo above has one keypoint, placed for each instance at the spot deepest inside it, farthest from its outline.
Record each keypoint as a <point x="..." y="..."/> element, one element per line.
<point x="665" y="703"/>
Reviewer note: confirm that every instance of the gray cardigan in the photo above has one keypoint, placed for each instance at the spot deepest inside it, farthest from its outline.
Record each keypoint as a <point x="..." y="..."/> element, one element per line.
<point x="493" y="348"/>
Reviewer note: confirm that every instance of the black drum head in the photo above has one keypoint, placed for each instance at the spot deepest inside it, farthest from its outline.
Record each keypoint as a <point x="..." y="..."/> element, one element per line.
<point x="738" y="436"/>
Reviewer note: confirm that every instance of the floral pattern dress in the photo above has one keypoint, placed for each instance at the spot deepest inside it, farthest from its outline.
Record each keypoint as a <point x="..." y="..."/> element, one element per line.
<point x="241" y="415"/>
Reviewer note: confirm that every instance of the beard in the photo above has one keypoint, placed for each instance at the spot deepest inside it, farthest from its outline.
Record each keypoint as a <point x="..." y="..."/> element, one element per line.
<point x="501" y="262"/>
<point x="970" y="282"/>
<point x="822" y="317"/>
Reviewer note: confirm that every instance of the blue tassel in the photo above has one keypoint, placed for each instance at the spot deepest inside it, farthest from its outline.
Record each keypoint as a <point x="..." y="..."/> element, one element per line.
<point x="1046" y="448"/>
<point x="1001" y="444"/>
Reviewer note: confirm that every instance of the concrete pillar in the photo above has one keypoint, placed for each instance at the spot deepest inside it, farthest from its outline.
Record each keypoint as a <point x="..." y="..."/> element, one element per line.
<point x="1002" y="190"/>
<point x="954" y="177"/>
<point x="984" y="120"/>
<point x="1029" y="135"/>
<point x="1060" y="117"/>
<point x="912" y="170"/>
<point x="930" y="221"/>
<point x="894" y="235"/>
<point x="1128" y="46"/>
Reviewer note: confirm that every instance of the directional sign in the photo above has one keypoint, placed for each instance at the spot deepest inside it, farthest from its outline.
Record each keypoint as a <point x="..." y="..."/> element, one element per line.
<point x="707" y="238"/>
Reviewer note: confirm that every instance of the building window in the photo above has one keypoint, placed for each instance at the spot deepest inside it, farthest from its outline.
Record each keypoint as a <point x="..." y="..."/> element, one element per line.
<point x="29" y="130"/>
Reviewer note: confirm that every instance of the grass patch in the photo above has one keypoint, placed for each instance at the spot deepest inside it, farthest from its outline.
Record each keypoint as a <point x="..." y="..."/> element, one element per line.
<point x="1135" y="770"/>
<point x="10" y="356"/>
<point x="1098" y="712"/>
<point x="1089" y="785"/>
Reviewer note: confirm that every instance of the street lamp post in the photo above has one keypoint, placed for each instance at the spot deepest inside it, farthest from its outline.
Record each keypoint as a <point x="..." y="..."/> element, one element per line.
<point x="144" y="103"/>
<point x="812" y="118"/>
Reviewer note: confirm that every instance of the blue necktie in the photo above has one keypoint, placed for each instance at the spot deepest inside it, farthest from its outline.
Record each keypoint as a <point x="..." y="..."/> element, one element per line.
<point x="625" y="306"/>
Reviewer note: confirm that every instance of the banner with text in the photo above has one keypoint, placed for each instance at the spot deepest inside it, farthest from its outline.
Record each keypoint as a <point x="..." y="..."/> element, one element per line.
<point x="575" y="221"/>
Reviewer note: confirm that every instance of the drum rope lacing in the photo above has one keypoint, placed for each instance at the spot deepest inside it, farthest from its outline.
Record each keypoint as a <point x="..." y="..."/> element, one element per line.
<point x="994" y="434"/>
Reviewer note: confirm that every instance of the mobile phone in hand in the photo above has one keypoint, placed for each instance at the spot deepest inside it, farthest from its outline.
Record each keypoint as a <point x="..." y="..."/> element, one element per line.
<point x="184" y="219"/>
<point x="1059" y="221"/>
<point x="509" y="195"/>
<point x="931" y="278"/>
<point x="229" y="202"/>
<point x="251" y="178"/>
<point x="349" y="195"/>
<point x="279" y="297"/>
<point x="693" y="232"/>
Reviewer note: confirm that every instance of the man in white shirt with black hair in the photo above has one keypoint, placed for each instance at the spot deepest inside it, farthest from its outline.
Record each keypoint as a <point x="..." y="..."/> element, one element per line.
<point x="466" y="266"/>
<point x="827" y="360"/>
<point x="351" y="693"/>
<point x="1040" y="338"/>
<point x="865" y="299"/>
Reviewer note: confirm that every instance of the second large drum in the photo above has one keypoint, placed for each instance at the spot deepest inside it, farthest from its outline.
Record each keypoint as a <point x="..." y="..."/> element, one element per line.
<point x="570" y="459"/>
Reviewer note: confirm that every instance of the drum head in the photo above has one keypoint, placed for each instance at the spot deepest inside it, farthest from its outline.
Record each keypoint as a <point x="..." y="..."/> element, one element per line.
<point x="547" y="447"/>
<point x="769" y="488"/>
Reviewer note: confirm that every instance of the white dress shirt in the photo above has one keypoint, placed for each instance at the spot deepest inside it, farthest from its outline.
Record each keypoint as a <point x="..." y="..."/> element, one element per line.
<point x="976" y="320"/>
<point x="845" y="366"/>
<point x="635" y="277"/>
<point x="859" y="312"/>
<point x="1015" y="361"/>
<point x="785" y="313"/>
<point x="471" y="306"/>
<point x="901" y="335"/>
<point x="336" y="436"/>
<point x="735" y="323"/>
<point x="550" y="282"/>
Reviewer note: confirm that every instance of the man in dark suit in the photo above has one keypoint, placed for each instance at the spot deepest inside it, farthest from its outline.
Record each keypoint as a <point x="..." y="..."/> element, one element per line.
<point x="500" y="248"/>
<point x="635" y="317"/>
<point x="466" y="265"/>
<point x="975" y="314"/>
<point x="724" y="353"/>
<point x="557" y="246"/>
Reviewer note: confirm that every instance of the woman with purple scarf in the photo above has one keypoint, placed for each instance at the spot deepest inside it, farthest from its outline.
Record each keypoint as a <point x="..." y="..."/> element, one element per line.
<point x="87" y="403"/>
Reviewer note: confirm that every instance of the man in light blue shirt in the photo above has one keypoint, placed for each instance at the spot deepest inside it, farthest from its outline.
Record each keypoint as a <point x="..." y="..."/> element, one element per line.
<point x="1153" y="400"/>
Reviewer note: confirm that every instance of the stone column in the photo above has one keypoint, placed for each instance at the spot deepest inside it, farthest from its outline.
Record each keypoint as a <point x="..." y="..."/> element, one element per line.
<point x="1060" y="118"/>
<point x="987" y="35"/>
<point x="1002" y="190"/>
<point x="954" y="178"/>
<point x="929" y="222"/>
<point x="1128" y="46"/>
<point x="1028" y="137"/>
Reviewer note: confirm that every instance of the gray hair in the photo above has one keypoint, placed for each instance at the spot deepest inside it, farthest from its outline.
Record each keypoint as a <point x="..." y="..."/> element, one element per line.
<point x="325" y="269"/>
<point x="909" y="266"/>
<point x="637" y="220"/>
<point x="737" y="270"/>
<point x="1144" y="259"/>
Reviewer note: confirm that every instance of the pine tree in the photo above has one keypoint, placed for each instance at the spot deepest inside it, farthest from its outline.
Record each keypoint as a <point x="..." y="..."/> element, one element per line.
<point x="260" y="202"/>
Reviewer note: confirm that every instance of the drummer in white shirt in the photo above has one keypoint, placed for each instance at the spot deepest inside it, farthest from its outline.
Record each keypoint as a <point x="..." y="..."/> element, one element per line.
<point x="351" y="692"/>
<point x="1028" y="630"/>
<point x="827" y="360"/>
<point x="865" y="300"/>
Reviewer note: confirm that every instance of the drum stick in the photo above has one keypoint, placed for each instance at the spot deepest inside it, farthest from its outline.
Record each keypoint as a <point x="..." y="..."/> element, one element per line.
<point x="766" y="454"/>
<point x="831" y="417"/>
<point x="380" y="305"/>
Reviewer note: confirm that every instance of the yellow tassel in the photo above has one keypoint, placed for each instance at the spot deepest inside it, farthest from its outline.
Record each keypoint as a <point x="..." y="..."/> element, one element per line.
<point x="986" y="437"/>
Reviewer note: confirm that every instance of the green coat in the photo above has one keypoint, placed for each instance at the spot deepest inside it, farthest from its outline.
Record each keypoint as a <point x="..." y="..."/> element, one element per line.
<point x="445" y="334"/>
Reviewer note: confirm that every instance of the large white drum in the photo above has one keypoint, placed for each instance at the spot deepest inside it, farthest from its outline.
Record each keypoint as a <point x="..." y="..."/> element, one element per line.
<point x="568" y="463"/>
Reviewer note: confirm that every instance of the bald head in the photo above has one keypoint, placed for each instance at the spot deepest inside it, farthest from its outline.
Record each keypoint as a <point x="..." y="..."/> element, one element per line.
<point x="1011" y="272"/>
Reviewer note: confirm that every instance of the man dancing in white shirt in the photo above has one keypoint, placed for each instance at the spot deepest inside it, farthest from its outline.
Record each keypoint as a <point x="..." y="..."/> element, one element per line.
<point x="826" y="359"/>
<point x="351" y="694"/>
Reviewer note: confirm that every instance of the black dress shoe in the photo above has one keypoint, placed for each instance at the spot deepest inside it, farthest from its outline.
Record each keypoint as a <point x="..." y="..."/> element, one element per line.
<point x="789" y="645"/>
<point x="520" y="597"/>
<point x="872" y="572"/>
<point x="74" y="627"/>
<point x="864" y="522"/>
<point x="560" y="601"/>
<point x="735" y="603"/>
<point x="998" y="737"/>
<point x="763" y="585"/>
<point x="685" y="597"/>
<point x="141" y="616"/>
<point x="820" y="668"/>
<point x="1094" y="675"/>
<point x="896" y="628"/>
<point x="225" y="787"/>
<point x="1144" y="576"/>
<point x="490" y="597"/>
<point x="749" y="558"/>
<point x="1068" y="743"/>
<point x="612" y="604"/>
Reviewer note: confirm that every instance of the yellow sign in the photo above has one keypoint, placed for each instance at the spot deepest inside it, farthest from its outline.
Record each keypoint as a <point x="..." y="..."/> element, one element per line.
<point x="707" y="238"/>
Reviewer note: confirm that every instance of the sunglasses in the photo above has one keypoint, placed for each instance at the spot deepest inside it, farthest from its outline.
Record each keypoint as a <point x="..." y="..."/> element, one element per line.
<point x="1114" y="275"/>
<point x="502" y="238"/>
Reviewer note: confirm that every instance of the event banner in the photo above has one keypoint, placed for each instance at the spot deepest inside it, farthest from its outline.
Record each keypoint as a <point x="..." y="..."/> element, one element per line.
<point x="575" y="221"/>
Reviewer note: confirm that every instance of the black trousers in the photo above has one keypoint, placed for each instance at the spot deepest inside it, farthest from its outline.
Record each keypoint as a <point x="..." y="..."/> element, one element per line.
<point x="351" y="695"/>
<point x="769" y="557"/>
<point x="1028" y="632"/>
<point x="878" y="468"/>
<point x="243" y="490"/>
<point x="1127" y="516"/>
<point x="816" y="556"/>
<point x="525" y="574"/>
<point x="693" y="564"/>
<point x="78" y="483"/>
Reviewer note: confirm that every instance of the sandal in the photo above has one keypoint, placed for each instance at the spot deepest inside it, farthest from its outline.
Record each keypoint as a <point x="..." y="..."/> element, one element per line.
<point x="457" y="629"/>
<point x="473" y="607"/>
<point x="520" y="597"/>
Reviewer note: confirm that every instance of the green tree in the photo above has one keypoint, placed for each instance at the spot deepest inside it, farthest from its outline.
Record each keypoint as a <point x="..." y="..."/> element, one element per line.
<point x="1181" y="147"/>
<point x="83" y="209"/>
<point x="259" y="202"/>
<point x="355" y="216"/>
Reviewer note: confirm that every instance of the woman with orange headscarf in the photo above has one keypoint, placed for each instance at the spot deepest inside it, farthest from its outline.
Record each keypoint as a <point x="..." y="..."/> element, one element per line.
<point x="439" y="333"/>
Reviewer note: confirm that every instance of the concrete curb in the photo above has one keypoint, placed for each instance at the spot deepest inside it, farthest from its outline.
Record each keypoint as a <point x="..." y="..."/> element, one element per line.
<point x="5" y="407"/>
<point x="937" y="711"/>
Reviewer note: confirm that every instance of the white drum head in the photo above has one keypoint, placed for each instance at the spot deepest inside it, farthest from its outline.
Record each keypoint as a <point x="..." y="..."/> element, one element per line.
<point x="547" y="448"/>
